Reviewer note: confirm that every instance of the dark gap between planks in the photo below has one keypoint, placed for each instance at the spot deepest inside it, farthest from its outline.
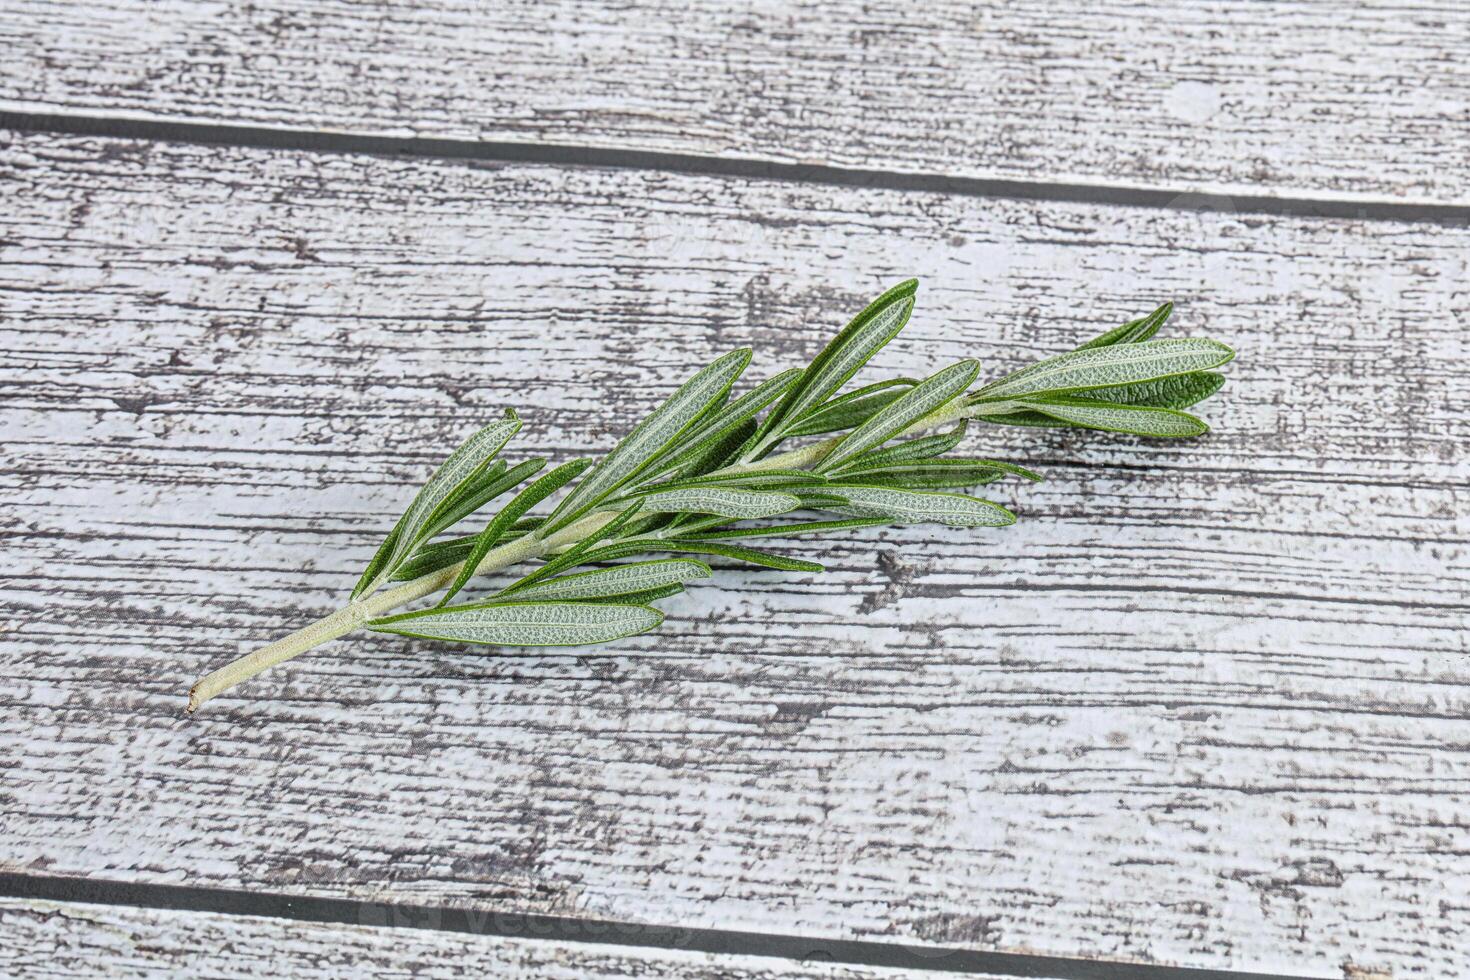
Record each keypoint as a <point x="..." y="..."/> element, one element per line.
<point x="313" y="141"/>
<point x="557" y="928"/>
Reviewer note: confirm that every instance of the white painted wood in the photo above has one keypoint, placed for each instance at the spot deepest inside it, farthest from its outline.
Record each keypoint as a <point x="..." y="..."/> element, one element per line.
<point x="1286" y="98"/>
<point x="54" y="939"/>
<point x="1204" y="705"/>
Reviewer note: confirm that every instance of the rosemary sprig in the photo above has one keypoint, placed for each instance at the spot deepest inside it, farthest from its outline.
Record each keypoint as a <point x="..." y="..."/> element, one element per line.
<point x="688" y="479"/>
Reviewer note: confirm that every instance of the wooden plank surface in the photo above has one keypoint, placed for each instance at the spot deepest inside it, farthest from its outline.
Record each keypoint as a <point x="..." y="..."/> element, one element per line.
<point x="1284" y="98"/>
<point x="1204" y="705"/>
<point x="69" y="939"/>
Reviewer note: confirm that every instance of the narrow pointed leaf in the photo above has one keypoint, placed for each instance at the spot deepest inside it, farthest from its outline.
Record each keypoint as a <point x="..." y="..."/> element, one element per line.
<point x="644" y="598"/>
<point x="761" y="479"/>
<point x="1179" y="391"/>
<point x="462" y="467"/>
<point x="1134" y="331"/>
<point x="867" y="334"/>
<point x="378" y="566"/>
<point x="574" y="555"/>
<point x="736" y="503"/>
<point x="1138" y="420"/>
<point x="434" y="556"/>
<point x="740" y="553"/>
<point x="486" y="489"/>
<point x="917" y="507"/>
<point x="509" y="514"/>
<point x="1031" y="419"/>
<point x="925" y="447"/>
<point x="524" y="624"/>
<point x="937" y="466"/>
<point x="935" y="392"/>
<point x="711" y="454"/>
<point x="650" y="438"/>
<point x="619" y="580"/>
<point x="783" y="530"/>
<point x="1107" y="367"/>
<point x="718" y="423"/>
<point x="849" y="410"/>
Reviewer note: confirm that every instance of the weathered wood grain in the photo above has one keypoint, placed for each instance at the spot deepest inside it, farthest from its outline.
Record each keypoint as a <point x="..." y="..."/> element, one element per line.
<point x="1206" y="704"/>
<point x="1287" y="98"/>
<point x="64" y="939"/>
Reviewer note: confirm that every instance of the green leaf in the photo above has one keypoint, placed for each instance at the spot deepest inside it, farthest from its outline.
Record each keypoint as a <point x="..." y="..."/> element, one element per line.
<point x="619" y="580"/>
<point x="711" y="454"/>
<point x="917" y="507"/>
<point x="377" y="566"/>
<point x="434" y="556"/>
<point x="1138" y="420"/>
<point x="936" y="466"/>
<point x="696" y="546"/>
<point x="574" y="555"/>
<point x="1107" y="367"/>
<point x="849" y="410"/>
<point x="751" y="555"/>
<point x="485" y="490"/>
<point x="1133" y="331"/>
<point x="524" y="624"/>
<point x="650" y="438"/>
<point x="647" y="597"/>
<point x="925" y="447"/>
<point x="462" y="468"/>
<point x="717" y="425"/>
<point x="763" y="479"/>
<point x="1028" y="418"/>
<point x="783" y="530"/>
<point x="867" y="334"/>
<point x="932" y="394"/>
<point x="739" y="504"/>
<point x="509" y="514"/>
<point x="945" y="479"/>
<point x="1179" y="391"/>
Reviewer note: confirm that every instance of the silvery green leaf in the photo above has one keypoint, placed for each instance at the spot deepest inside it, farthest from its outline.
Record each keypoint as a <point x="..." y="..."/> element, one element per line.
<point x="849" y="410"/>
<point x="783" y="530"/>
<point x="619" y="580"/>
<point x="1179" y="391"/>
<point x="1107" y="367"/>
<point x="867" y="334"/>
<point x="1134" y="331"/>
<point x="524" y="624"/>
<point x="719" y="422"/>
<point x="925" y="447"/>
<point x="462" y="467"/>
<point x="761" y="479"/>
<point x="820" y="500"/>
<point x="917" y="507"/>
<point x="736" y="503"/>
<point x="509" y="514"/>
<point x="930" y="395"/>
<point x="484" y="490"/>
<point x="650" y="438"/>
<point x="1164" y="423"/>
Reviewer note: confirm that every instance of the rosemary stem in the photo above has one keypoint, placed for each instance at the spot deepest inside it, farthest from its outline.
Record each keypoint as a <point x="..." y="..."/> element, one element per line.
<point x="354" y="614"/>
